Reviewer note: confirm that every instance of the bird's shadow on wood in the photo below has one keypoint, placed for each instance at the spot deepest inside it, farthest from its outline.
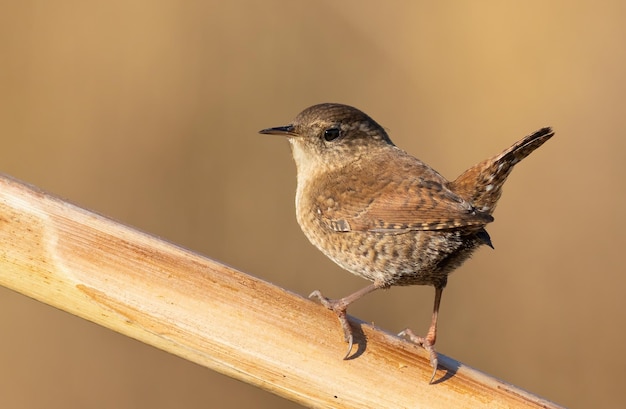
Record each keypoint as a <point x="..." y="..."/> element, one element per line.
<point x="451" y="366"/>
<point x="358" y="338"/>
<point x="447" y="364"/>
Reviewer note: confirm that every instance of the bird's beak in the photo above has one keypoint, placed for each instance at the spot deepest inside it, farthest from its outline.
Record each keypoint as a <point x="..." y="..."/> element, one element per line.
<point x="279" y="130"/>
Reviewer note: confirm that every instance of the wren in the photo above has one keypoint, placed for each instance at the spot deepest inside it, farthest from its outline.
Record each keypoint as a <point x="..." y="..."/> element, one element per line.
<point x="384" y="215"/>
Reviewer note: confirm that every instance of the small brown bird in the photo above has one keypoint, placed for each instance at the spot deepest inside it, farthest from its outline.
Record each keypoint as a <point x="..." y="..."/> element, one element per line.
<point x="384" y="215"/>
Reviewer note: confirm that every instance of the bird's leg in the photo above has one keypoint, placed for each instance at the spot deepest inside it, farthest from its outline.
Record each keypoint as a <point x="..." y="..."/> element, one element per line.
<point x="428" y="342"/>
<point x="340" y="306"/>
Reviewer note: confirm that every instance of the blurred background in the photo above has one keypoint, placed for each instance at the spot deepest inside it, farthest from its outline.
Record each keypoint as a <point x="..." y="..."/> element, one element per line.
<point x="148" y="112"/>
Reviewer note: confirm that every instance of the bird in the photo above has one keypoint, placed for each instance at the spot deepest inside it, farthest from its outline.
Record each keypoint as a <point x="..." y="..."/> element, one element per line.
<point x="384" y="215"/>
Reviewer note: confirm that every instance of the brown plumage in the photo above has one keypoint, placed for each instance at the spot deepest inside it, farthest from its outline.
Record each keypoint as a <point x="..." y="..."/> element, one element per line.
<point x="384" y="215"/>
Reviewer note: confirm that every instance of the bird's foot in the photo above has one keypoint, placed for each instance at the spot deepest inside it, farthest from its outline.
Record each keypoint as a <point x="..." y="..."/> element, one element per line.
<point x="338" y="307"/>
<point x="427" y="344"/>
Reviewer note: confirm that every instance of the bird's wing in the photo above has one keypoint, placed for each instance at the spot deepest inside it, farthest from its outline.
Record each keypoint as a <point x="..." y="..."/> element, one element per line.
<point x="414" y="198"/>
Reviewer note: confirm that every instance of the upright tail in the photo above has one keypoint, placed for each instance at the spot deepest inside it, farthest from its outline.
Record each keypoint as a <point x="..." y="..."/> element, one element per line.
<point x="482" y="184"/>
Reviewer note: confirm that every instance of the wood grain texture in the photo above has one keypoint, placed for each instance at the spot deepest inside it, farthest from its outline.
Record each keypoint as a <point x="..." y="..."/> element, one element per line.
<point x="215" y="316"/>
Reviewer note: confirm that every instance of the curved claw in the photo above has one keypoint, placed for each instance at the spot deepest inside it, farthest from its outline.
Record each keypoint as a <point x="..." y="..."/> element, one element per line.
<point x="434" y="362"/>
<point x="425" y="343"/>
<point x="339" y="308"/>
<point x="350" y="343"/>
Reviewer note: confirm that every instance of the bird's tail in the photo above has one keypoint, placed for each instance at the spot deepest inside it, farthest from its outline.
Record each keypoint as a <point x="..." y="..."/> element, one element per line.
<point x="482" y="184"/>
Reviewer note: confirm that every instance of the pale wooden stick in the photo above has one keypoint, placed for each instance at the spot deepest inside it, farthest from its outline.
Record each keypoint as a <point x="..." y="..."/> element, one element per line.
<point x="203" y="311"/>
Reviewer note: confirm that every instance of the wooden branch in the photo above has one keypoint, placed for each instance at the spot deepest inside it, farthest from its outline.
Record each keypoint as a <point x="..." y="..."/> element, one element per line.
<point x="203" y="311"/>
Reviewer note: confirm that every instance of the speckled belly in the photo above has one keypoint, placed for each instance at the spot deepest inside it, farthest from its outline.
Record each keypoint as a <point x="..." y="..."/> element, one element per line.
<point x="406" y="258"/>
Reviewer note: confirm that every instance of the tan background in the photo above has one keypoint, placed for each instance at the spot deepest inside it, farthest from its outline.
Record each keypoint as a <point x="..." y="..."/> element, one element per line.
<point x="147" y="111"/>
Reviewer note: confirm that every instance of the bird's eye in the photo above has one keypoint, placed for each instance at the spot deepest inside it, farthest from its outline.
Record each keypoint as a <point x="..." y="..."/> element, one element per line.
<point x="331" y="134"/>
